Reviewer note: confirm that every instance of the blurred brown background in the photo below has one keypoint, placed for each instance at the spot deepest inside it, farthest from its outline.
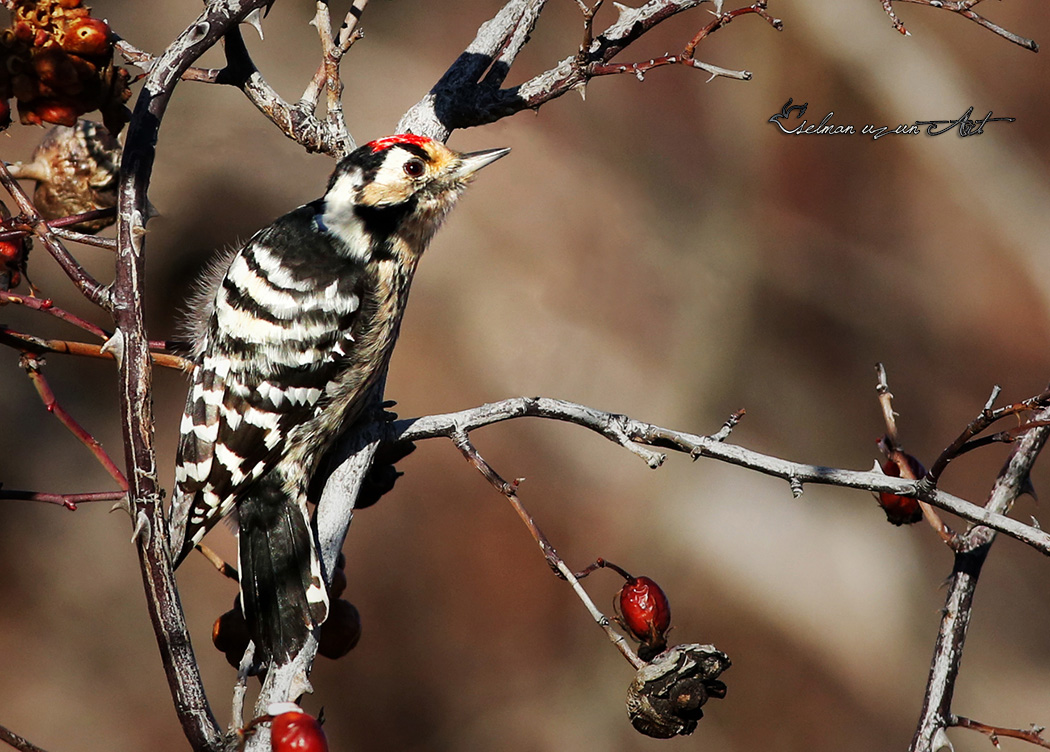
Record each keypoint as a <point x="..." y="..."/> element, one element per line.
<point x="658" y="250"/>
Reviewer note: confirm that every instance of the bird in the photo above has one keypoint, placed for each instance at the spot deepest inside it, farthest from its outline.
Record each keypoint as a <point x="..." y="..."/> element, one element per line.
<point x="288" y="335"/>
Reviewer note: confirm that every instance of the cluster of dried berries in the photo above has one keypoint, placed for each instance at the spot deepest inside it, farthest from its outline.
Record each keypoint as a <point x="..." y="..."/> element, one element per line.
<point x="57" y="62"/>
<point x="339" y="634"/>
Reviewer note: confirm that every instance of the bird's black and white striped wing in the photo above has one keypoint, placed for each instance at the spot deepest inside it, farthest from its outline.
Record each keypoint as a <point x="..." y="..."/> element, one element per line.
<point x="272" y="342"/>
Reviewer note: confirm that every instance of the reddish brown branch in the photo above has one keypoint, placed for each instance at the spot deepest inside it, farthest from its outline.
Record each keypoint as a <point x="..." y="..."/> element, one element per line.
<point x="20" y="228"/>
<point x="1033" y="735"/>
<point x="69" y="501"/>
<point x="38" y="345"/>
<point x="32" y="363"/>
<point x="758" y="8"/>
<point x="986" y="418"/>
<point x="47" y="306"/>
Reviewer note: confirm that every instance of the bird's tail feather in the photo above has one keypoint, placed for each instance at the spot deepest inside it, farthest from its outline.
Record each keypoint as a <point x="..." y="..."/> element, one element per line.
<point x="283" y="595"/>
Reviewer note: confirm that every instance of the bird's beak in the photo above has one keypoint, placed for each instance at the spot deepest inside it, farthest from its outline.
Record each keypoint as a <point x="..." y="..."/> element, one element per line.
<point x="475" y="160"/>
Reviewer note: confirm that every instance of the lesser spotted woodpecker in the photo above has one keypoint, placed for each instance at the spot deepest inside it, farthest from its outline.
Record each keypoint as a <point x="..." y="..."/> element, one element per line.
<point x="288" y="335"/>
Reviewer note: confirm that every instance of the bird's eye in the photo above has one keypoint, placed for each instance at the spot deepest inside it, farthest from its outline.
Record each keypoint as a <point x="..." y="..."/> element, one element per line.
<point x="414" y="168"/>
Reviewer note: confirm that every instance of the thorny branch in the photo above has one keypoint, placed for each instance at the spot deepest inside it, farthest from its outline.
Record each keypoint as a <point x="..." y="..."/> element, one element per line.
<point x="631" y="433"/>
<point x="135" y="371"/>
<point x="965" y="9"/>
<point x="469" y="93"/>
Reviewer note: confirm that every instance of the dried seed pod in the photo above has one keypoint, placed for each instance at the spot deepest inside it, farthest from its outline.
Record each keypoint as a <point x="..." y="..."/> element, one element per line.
<point x="666" y="696"/>
<point x="76" y="170"/>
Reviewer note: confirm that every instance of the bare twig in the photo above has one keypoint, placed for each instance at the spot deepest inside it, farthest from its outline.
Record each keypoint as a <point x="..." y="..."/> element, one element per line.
<point x="332" y="51"/>
<point x="1033" y="735"/>
<point x="146" y="61"/>
<point x="91" y="288"/>
<point x="69" y="501"/>
<point x="298" y="123"/>
<point x="965" y="9"/>
<point x="469" y="93"/>
<point x="47" y="306"/>
<point x="32" y="363"/>
<point x="19" y="229"/>
<point x="987" y="417"/>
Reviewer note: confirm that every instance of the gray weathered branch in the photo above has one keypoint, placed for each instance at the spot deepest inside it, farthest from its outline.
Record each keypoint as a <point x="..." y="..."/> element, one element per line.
<point x="971" y="551"/>
<point x="630" y="433"/>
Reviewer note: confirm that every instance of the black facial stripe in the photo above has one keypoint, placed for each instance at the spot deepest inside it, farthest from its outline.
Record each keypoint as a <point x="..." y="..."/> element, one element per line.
<point x="381" y="222"/>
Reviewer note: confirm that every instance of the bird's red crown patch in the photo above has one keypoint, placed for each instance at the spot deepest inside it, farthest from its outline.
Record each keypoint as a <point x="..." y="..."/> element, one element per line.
<point x="401" y="138"/>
